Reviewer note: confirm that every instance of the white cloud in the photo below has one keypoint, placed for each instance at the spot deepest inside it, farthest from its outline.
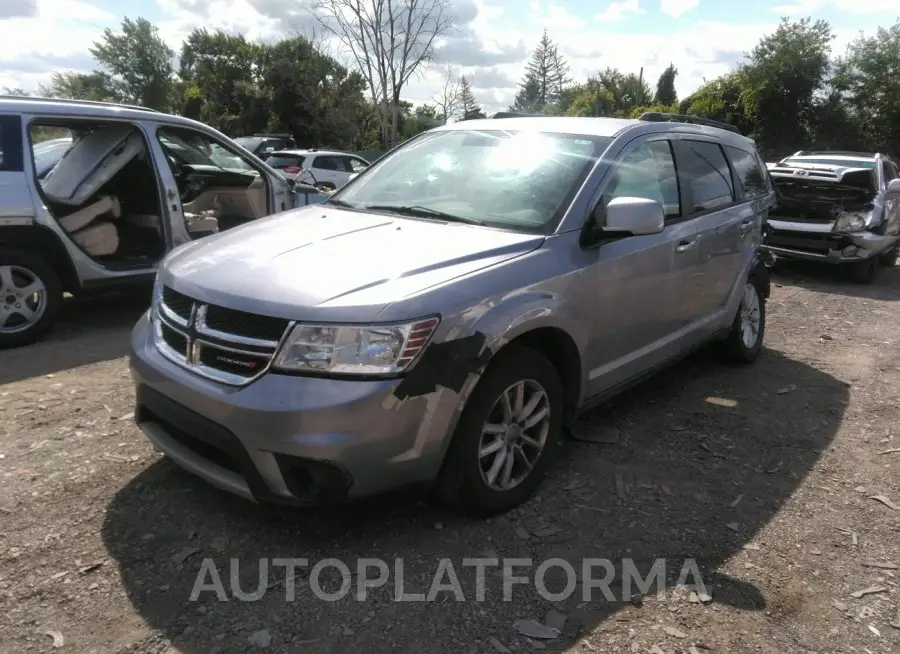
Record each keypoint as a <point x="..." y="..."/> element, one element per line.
<point x="676" y="8"/>
<point x="800" y="7"/>
<point x="868" y="6"/>
<point x="490" y="44"/>
<point x="554" y="17"/>
<point x="617" y="11"/>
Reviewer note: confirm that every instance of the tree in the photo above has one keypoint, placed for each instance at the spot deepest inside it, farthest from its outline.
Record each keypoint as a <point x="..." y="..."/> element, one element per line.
<point x="665" y="87"/>
<point x="546" y="76"/>
<point x="80" y="86"/>
<point x="447" y="100"/>
<point x="782" y="76"/>
<point x="867" y="83"/>
<point x="139" y="63"/>
<point x="468" y="104"/>
<point x="390" y="41"/>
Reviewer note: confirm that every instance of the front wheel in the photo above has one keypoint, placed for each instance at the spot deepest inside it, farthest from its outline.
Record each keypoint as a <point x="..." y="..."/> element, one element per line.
<point x="509" y="433"/>
<point x="889" y="258"/>
<point x="30" y="297"/>
<point x="744" y="341"/>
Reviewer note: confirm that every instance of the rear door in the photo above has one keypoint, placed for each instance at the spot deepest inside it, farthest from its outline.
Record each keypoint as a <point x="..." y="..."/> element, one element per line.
<point x="726" y="225"/>
<point x="329" y="168"/>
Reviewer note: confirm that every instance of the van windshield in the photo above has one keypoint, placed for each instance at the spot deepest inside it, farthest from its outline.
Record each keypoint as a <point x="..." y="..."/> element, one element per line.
<point x="522" y="180"/>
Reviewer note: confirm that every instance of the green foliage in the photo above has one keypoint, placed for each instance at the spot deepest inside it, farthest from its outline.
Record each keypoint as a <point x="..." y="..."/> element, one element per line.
<point x="665" y="87"/>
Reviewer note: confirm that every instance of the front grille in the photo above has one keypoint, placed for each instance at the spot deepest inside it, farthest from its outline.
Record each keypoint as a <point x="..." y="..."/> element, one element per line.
<point x="230" y="346"/>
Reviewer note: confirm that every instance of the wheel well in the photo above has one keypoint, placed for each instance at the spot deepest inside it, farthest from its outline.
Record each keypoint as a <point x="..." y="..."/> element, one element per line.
<point x="561" y="351"/>
<point x="45" y="243"/>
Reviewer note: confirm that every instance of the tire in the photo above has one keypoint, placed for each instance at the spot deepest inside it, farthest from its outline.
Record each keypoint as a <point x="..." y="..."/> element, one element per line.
<point x="889" y="258"/>
<point x="864" y="272"/>
<point x="22" y="265"/>
<point x="735" y="347"/>
<point x="464" y="478"/>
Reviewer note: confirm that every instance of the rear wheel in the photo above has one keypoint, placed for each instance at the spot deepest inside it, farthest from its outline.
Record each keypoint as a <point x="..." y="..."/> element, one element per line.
<point x="744" y="341"/>
<point x="30" y="297"/>
<point x="508" y="435"/>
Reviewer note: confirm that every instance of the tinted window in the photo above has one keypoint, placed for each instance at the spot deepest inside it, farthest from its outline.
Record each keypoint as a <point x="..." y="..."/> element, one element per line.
<point x="330" y="163"/>
<point x="751" y="175"/>
<point x="888" y="171"/>
<point x="704" y="167"/>
<point x="647" y="172"/>
<point x="11" y="156"/>
<point x="284" y="160"/>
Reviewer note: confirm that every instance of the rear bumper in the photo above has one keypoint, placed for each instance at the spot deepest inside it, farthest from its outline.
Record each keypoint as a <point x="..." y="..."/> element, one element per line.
<point x="813" y="242"/>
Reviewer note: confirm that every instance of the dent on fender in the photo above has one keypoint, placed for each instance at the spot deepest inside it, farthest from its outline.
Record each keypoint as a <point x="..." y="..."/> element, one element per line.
<point x="447" y="365"/>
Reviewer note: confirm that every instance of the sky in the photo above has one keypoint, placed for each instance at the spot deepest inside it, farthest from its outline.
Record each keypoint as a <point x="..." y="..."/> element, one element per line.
<point x="490" y="42"/>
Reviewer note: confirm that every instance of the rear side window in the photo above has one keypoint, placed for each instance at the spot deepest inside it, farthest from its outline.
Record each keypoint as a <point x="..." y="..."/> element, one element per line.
<point x="283" y="161"/>
<point x="330" y="163"/>
<point x="706" y="171"/>
<point x="11" y="158"/>
<point x="750" y="174"/>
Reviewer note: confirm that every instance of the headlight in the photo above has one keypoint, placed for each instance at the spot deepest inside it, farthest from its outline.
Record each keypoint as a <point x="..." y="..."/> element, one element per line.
<point x="355" y="350"/>
<point x="851" y="222"/>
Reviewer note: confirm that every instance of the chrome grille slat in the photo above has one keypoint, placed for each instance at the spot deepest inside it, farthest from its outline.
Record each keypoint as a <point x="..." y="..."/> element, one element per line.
<point x="223" y="356"/>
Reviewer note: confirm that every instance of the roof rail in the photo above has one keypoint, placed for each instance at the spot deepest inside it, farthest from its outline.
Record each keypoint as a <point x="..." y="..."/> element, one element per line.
<point x="659" y="117"/>
<point x="86" y="103"/>
<point x="840" y="153"/>
<point x="513" y="114"/>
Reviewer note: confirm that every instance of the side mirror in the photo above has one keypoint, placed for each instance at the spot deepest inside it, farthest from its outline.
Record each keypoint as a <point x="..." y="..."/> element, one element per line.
<point x="635" y="216"/>
<point x="894" y="187"/>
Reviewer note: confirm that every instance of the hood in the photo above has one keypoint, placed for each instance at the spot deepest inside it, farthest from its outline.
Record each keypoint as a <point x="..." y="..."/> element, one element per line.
<point x="325" y="263"/>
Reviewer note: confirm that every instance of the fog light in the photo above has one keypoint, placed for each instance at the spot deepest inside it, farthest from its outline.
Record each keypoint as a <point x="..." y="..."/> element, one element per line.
<point x="851" y="251"/>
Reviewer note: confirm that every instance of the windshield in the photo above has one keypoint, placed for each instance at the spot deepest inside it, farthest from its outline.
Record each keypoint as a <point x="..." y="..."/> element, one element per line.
<point x="846" y="163"/>
<point x="520" y="180"/>
<point x="248" y="142"/>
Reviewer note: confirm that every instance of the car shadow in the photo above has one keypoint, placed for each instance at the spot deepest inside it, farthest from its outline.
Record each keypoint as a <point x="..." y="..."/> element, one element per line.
<point x="835" y="280"/>
<point x="699" y="459"/>
<point x="90" y="330"/>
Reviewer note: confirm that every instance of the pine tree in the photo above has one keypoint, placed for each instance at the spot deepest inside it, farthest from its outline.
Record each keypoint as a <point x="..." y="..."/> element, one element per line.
<point x="665" y="87"/>
<point x="546" y="76"/>
<point x="468" y="104"/>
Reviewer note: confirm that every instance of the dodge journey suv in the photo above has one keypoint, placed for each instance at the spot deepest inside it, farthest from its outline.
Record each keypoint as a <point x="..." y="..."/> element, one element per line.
<point x="445" y="315"/>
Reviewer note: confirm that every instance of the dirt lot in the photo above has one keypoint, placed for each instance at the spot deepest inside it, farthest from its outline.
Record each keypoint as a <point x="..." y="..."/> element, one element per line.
<point x="764" y="475"/>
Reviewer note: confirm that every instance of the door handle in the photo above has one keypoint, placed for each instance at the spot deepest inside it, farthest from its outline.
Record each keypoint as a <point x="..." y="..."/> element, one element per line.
<point x="686" y="245"/>
<point x="747" y="225"/>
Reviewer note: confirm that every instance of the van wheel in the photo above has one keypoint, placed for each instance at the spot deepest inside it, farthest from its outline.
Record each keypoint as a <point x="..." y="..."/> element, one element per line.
<point x="30" y="297"/>
<point x="508" y="435"/>
<point x="864" y="272"/>
<point x="744" y="341"/>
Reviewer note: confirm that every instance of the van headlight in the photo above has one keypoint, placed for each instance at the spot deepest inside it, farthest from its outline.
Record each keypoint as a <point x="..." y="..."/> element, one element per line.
<point x="853" y="221"/>
<point x="355" y="349"/>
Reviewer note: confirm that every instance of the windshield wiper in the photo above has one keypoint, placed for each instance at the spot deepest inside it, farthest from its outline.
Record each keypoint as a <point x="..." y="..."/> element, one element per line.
<point x="419" y="211"/>
<point x="340" y="203"/>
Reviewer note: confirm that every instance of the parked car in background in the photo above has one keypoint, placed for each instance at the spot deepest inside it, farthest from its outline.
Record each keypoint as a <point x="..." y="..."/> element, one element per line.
<point x="836" y="208"/>
<point x="326" y="168"/>
<point x="85" y="210"/>
<point x="262" y="145"/>
<point x="446" y="315"/>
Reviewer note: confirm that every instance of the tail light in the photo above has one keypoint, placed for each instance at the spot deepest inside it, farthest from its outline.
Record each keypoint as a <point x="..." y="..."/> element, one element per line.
<point x="293" y="170"/>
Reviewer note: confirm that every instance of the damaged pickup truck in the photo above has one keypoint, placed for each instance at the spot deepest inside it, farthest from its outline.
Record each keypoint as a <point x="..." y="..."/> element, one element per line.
<point x="836" y="208"/>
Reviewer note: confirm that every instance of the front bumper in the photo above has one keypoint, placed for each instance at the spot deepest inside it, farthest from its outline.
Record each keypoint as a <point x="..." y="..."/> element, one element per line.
<point x="287" y="439"/>
<point x="817" y="242"/>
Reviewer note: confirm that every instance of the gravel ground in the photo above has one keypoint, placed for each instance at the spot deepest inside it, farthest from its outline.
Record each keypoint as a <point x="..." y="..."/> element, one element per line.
<point x="765" y="476"/>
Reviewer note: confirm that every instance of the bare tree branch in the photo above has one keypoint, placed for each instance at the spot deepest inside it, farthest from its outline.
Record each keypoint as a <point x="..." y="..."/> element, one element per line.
<point x="448" y="99"/>
<point x="389" y="40"/>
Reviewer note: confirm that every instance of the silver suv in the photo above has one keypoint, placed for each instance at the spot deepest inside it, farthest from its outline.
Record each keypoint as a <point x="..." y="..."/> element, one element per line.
<point x="93" y="195"/>
<point x="446" y="315"/>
